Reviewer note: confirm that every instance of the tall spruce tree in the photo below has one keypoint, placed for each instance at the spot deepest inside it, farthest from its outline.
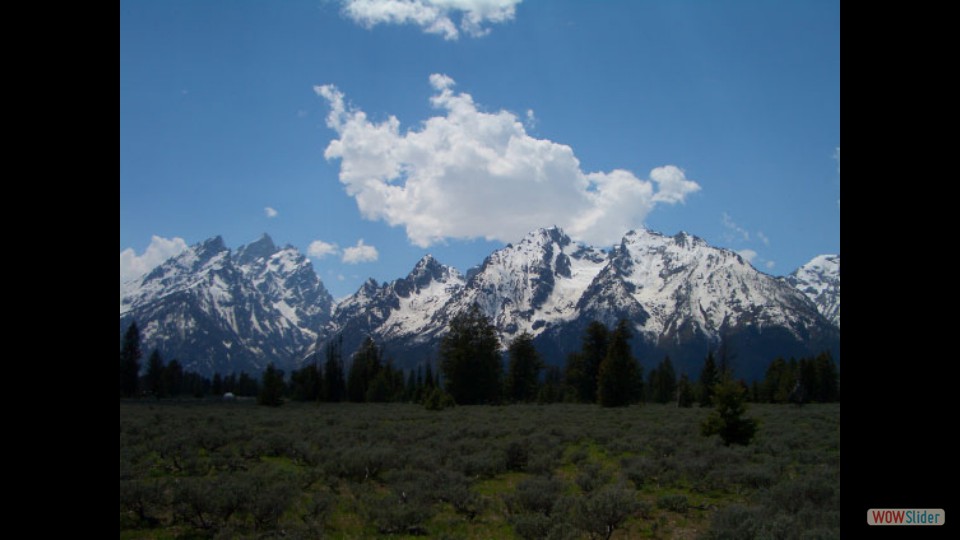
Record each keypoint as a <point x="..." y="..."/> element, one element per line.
<point x="367" y="362"/>
<point x="154" y="377"/>
<point x="709" y="377"/>
<point x="334" y="386"/>
<point x="665" y="390"/>
<point x="684" y="392"/>
<point x="523" y="373"/>
<point x="130" y="354"/>
<point x="828" y="378"/>
<point x="271" y="387"/>
<point x="583" y="367"/>
<point x="620" y="381"/>
<point x="470" y="359"/>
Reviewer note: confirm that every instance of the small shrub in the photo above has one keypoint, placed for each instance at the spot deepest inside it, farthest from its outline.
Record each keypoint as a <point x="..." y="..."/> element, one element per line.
<point x="517" y="456"/>
<point x="592" y="477"/>
<point x="604" y="511"/>
<point x="675" y="503"/>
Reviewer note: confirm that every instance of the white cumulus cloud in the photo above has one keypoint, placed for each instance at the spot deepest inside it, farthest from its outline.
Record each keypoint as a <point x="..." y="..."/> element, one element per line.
<point x="360" y="253"/>
<point x="433" y="16"/>
<point x="467" y="174"/>
<point x="270" y="212"/>
<point x="160" y="249"/>
<point x="770" y="264"/>
<point x="319" y="249"/>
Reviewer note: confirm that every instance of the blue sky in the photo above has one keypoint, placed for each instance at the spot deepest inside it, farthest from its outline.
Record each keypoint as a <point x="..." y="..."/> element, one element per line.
<point x="380" y="131"/>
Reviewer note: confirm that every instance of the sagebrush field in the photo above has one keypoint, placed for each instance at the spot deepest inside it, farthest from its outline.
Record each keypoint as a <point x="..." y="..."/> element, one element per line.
<point x="207" y="469"/>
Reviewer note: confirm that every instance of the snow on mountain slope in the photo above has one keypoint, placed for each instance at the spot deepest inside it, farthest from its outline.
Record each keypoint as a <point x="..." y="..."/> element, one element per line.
<point x="819" y="279"/>
<point x="531" y="285"/>
<point x="216" y="311"/>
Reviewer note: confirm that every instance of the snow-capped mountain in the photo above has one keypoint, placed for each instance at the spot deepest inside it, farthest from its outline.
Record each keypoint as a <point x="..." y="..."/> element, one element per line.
<point x="683" y="297"/>
<point x="402" y="314"/>
<point x="217" y="311"/>
<point x="530" y="286"/>
<point x="819" y="279"/>
<point x="222" y="311"/>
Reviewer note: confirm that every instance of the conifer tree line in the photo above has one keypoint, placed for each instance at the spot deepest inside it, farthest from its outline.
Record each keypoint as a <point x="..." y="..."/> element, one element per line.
<point x="471" y="370"/>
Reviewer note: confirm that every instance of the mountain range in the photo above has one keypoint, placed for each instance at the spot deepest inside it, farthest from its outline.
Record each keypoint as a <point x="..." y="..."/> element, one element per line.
<point x="222" y="311"/>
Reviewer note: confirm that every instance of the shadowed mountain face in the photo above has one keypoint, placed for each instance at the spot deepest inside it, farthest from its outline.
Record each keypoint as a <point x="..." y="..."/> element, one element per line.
<point x="223" y="312"/>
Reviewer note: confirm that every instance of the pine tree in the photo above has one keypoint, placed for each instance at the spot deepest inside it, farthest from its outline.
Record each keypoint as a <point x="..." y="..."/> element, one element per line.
<point x="727" y="419"/>
<point x="666" y="383"/>
<point x="334" y="386"/>
<point x="524" y="369"/>
<point x="653" y="395"/>
<point x="709" y="377"/>
<point x="366" y="366"/>
<point x="271" y="387"/>
<point x="583" y="367"/>
<point x="828" y="378"/>
<point x="130" y="354"/>
<point x="173" y="378"/>
<point x="154" y="378"/>
<point x="216" y="386"/>
<point x="470" y="359"/>
<point x="684" y="392"/>
<point x="306" y="383"/>
<point x="620" y="381"/>
<point x="410" y="390"/>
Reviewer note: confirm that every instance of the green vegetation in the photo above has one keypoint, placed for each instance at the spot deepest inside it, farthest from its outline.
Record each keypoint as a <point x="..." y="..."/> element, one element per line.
<point x="211" y="469"/>
<point x="470" y="359"/>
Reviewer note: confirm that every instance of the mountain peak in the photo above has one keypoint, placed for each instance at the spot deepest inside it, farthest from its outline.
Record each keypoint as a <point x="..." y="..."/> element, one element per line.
<point x="209" y="248"/>
<point x="261" y="247"/>
<point x="547" y="235"/>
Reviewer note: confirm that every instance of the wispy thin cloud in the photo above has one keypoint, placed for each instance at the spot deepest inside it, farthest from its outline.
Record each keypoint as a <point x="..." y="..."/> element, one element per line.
<point x="433" y="16"/>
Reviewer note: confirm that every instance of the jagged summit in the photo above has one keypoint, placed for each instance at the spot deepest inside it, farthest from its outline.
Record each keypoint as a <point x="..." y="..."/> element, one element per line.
<point x="215" y="310"/>
<point x="230" y="311"/>
<point x="262" y="247"/>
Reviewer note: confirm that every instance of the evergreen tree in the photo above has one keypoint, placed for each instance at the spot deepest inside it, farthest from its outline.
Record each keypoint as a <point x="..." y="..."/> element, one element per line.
<point x="620" y="381"/>
<point x="173" y="379"/>
<point x="271" y="387"/>
<point x="727" y="419"/>
<point x="523" y="373"/>
<point x="553" y="389"/>
<point x="684" y="392"/>
<point x="709" y="377"/>
<point x="470" y="359"/>
<point x="216" y="386"/>
<point x="583" y="367"/>
<point x="653" y="394"/>
<point x="366" y="366"/>
<point x="154" y="377"/>
<point x="246" y="385"/>
<point x="828" y="378"/>
<point x="775" y="387"/>
<point x="334" y="386"/>
<point x="428" y="380"/>
<point x="665" y="389"/>
<point x="130" y="354"/>
<point x="306" y="383"/>
<point x="410" y="390"/>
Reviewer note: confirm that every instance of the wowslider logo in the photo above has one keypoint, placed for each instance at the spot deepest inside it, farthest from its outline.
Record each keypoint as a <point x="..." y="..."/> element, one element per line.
<point x="905" y="516"/>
